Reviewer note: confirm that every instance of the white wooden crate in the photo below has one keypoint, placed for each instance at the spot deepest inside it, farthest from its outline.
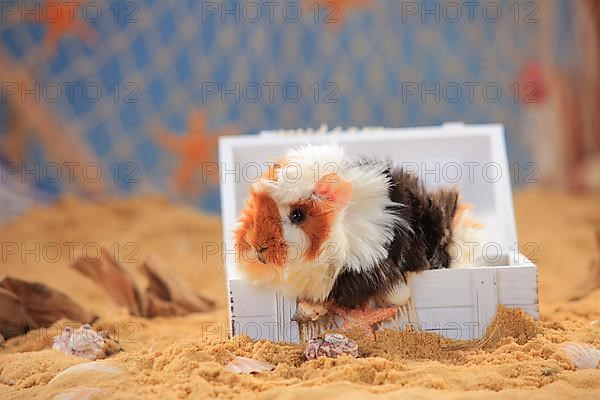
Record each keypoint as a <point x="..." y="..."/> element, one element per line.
<point x="457" y="303"/>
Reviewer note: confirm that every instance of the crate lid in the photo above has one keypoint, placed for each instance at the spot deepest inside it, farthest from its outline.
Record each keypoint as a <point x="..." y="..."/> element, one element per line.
<point x="470" y="157"/>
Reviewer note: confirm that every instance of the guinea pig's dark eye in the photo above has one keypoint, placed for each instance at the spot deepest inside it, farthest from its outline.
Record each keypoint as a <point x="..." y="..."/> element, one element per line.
<point x="297" y="216"/>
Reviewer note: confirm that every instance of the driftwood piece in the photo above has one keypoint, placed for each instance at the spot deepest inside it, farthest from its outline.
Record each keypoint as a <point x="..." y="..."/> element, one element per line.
<point x="44" y="304"/>
<point x="14" y="320"/>
<point x="592" y="280"/>
<point x="157" y="307"/>
<point x="169" y="294"/>
<point x="114" y="279"/>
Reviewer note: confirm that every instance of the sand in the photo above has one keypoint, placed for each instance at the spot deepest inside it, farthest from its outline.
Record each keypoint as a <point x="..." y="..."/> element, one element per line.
<point x="184" y="357"/>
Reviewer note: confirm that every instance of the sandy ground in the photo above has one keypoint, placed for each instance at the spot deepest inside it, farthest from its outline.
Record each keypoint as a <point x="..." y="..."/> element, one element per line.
<point x="184" y="357"/>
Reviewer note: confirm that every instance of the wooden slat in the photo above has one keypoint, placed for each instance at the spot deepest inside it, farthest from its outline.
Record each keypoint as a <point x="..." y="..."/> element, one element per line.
<point x="445" y="318"/>
<point x="442" y="288"/>
<point x="485" y="290"/>
<point x="256" y="327"/>
<point x="248" y="300"/>
<point x="287" y="329"/>
<point x="518" y="285"/>
<point x="451" y="302"/>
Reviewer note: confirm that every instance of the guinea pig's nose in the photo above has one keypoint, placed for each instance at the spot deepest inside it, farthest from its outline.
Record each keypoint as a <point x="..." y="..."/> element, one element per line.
<point x="258" y="248"/>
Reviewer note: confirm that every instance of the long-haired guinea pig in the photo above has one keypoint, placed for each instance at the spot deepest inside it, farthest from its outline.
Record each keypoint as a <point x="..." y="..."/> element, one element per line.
<point x="324" y="228"/>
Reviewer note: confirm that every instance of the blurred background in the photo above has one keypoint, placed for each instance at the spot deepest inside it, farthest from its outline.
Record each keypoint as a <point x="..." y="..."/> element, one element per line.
<point x="105" y="99"/>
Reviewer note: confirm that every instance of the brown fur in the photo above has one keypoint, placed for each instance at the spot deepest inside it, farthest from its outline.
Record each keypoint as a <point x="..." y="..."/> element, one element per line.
<point x="260" y="227"/>
<point x="424" y="246"/>
<point x="318" y="223"/>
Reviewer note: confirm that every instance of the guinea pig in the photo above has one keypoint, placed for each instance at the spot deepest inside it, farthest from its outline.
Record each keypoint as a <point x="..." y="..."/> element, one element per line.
<point x="325" y="228"/>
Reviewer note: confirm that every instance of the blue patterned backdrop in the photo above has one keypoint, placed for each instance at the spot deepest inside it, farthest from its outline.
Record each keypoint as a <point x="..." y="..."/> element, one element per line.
<point x="144" y="74"/>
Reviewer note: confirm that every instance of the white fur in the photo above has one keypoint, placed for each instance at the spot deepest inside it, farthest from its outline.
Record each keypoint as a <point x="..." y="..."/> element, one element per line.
<point x="367" y="224"/>
<point x="400" y="293"/>
<point x="359" y="235"/>
<point x="308" y="279"/>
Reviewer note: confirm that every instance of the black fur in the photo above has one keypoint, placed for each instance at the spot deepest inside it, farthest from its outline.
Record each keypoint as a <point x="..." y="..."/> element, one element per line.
<point x="429" y="214"/>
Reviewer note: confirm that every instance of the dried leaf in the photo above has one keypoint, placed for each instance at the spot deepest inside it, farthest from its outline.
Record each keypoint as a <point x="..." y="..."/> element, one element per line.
<point x="114" y="279"/>
<point x="170" y="287"/>
<point x="244" y="365"/>
<point x="14" y="320"/>
<point x="157" y="307"/>
<point x="44" y="304"/>
<point x="168" y="294"/>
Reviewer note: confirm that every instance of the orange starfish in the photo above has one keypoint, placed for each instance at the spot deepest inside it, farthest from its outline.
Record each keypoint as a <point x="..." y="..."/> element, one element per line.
<point x="32" y="120"/>
<point x="363" y="318"/>
<point x="197" y="150"/>
<point x="63" y="17"/>
<point x="334" y="11"/>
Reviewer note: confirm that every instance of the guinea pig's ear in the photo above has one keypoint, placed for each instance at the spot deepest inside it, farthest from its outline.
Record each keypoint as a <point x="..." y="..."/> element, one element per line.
<point x="334" y="188"/>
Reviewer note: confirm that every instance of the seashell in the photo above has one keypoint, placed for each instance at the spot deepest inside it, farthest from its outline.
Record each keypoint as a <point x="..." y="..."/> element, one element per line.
<point x="336" y="339"/>
<point x="95" y="367"/>
<point x="331" y="346"/>
<point x="582" y="355"/>
<point x="81" y="393"/>
<point x="84" y="342"/>
<point x="244" y="365"/>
